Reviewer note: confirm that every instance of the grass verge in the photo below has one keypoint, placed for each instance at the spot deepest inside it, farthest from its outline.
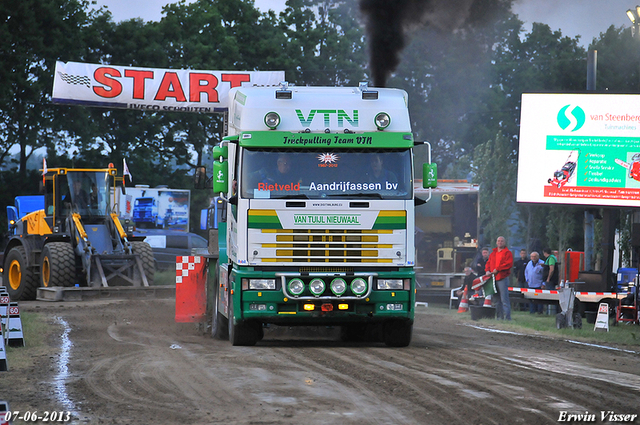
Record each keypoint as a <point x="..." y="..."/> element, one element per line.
<point x="523" y="322"/>
<point x="36" y="330"/>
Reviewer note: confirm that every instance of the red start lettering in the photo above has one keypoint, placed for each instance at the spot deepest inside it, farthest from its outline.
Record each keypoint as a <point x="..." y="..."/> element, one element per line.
<point x="138" y="81"/>
<point x="196" y="88"/>
<point x="170" y="87"/>
<point x="103" y="76"/>
<point x="236" y="80"/>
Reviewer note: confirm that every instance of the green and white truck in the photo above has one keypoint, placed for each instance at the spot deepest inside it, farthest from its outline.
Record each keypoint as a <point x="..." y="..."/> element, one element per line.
<point x="318" y="221"/>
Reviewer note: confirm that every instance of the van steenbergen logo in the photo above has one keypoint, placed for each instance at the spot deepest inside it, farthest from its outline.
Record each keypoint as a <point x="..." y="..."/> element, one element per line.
<point x="571" y="118"/>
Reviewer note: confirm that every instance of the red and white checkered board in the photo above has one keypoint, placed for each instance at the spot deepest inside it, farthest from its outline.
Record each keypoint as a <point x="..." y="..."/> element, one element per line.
<point x="184" y="265"/>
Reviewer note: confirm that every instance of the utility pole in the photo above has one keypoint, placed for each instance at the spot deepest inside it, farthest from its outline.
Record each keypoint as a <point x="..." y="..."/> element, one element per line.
<point x="592" y="66"/>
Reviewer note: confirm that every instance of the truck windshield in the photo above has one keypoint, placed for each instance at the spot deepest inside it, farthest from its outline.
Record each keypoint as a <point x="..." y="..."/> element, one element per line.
<point x="87" y="192"/>
<point x="314" y="174"/>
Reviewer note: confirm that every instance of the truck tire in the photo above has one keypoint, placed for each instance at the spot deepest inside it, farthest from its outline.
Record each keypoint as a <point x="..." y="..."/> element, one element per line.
<point x="242" y="333"/>
<point x="352" y="333"/>
<point x="219" y="324"/>
<point x="19" y="279"/>
<point x="144" y="251"/>
<point x="561" y="321"/>
<point x="58" y="265"/>
<point x="397" y="333"/>
<point x="577" y="321"/>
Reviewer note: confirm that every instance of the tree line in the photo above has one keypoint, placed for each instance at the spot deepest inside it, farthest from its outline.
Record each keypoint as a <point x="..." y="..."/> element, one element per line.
<point x="464" y="88"/>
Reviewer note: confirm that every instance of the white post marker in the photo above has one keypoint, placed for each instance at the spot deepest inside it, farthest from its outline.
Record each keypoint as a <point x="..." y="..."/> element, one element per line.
<point x="15" y="336"/>
<point x="4" y="408"/>
<point x="602" y="320"/>
<point x="3" y="352"/>
<point x="4" y="308"/>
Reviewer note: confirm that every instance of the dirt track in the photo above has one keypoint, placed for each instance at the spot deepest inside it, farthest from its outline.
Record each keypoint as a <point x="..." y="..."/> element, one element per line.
<point x="129" y="363"/>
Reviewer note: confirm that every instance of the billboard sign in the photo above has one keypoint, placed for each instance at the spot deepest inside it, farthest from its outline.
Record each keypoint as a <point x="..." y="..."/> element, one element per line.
<point x="152" y="89"/>
<point x="581" y="149"/>
<point x="159" y="208"/>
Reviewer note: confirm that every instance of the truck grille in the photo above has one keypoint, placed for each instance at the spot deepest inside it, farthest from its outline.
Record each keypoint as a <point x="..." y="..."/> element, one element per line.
<point x="326" y="246"/>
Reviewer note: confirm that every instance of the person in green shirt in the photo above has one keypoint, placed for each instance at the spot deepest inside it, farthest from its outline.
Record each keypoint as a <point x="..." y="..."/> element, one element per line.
<point x="550" y="263"/>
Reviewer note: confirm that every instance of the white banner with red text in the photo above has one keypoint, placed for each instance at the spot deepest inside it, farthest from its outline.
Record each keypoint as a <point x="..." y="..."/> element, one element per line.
<point x="152" y="89"/>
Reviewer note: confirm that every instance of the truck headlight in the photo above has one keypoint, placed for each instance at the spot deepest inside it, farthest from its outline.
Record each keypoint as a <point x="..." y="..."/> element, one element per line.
<point x="382" y="120"/>
<point x="358" y="286"/>
<point x="338" y="286"/>
<point x="393" y="284"/>
<point x="262" y="284"/>
<point x="272" y="120"/>
<point x="316" y="286"/>
<point x="296" y="286"/>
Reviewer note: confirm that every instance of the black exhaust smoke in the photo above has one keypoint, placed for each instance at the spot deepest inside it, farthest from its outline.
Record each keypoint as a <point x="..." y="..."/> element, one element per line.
<point x="389" y="21"/>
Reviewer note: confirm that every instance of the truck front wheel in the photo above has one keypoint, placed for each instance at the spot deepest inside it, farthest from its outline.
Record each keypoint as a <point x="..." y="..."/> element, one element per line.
<point x="398" y="333"/>
<point x="242" y="333"/>
<point x="19" y="279"/>
<point x="219" y="325"/>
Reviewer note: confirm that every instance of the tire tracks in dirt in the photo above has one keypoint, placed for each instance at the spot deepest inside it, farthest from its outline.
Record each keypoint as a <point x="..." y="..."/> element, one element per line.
<point x="357" y="390"/>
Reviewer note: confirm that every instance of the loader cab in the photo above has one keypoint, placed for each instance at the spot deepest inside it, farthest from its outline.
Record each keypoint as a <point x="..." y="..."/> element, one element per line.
<point x="85" y="192"/>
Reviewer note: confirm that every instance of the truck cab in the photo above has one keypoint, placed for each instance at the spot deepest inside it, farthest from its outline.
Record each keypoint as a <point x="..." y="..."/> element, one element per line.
<point x="320" y="213"/>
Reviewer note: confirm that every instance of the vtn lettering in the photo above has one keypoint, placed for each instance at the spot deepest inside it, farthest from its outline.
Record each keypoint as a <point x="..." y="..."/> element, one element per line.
<point x="340" y="114"/>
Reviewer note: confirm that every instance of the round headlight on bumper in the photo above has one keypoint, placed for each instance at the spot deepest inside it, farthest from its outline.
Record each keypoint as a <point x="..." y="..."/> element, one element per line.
<point x="316" y="286"/>
<point x="359" y="286"/>
<point x="296" y="286"/>
<point x="338" y="286"/>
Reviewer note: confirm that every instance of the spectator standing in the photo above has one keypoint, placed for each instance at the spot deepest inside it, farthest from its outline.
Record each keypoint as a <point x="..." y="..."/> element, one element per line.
<point x="499" y="264"/>
<point x="551" y="270"/>
<point x="481" y="261"/>
<point x="519" y="268"/>
<point x="533" y="274"/>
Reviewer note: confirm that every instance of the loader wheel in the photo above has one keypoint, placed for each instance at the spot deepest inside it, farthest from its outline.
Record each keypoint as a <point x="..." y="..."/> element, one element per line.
<point x="145" y="252"/>
<point x="58" y="265"/>
<point x="19" y="279"/>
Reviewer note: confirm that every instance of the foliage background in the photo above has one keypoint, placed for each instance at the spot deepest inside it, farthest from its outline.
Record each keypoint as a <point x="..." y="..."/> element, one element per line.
<point x="464" y="85"/>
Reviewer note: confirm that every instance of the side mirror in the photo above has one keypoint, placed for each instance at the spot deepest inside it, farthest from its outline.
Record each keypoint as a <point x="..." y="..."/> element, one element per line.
<point x="200" y="177"/>
<point x="220" y="177"/>
<point x="221" y="169"/>
<point x="429" y="176"/>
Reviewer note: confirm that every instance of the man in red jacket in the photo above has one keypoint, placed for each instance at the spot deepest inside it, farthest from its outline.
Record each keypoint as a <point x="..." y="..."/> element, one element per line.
<point x="499" y="264"/>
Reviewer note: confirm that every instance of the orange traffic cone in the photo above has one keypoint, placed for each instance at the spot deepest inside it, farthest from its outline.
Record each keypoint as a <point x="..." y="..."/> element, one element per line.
<point x="464" y="302"/>
<point x="487" y="301"/>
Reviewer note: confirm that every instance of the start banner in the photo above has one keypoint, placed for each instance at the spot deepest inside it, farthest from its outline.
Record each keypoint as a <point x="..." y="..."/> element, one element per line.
<point x="152" y="89"/>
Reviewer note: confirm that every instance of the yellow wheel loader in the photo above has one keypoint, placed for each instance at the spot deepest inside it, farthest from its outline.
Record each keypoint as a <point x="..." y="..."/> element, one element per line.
<point x="77" y="239"/>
